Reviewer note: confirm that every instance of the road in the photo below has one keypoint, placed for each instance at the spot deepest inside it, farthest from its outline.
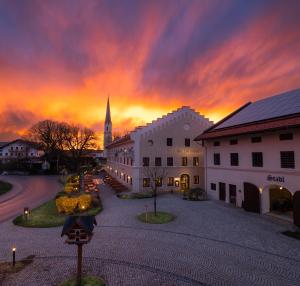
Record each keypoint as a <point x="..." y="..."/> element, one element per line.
<point x="29" y="191"/>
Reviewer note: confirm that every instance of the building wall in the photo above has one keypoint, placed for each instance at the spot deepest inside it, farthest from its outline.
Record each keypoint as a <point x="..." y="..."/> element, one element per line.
<point x="184" y="125"/>
<point x="263" y="177"/>
<point x="19" y="150"/>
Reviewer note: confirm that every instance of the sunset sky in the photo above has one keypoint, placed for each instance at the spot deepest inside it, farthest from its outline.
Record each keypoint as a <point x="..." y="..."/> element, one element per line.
<point x="61" y="59"/>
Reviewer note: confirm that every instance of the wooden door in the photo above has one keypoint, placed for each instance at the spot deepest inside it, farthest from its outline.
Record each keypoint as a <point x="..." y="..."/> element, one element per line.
<point x="232" y="194"/>
<point x="296" y="208"/>
<point x="251" y="198"/>
<point x="222" y="191"/>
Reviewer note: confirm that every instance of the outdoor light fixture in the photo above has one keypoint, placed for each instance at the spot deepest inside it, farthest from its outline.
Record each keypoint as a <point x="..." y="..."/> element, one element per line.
<point x="26" y="212"/>
<point x="14" y="255"/>
<point x="176" y="183"/>
<point x="281" y="188"/>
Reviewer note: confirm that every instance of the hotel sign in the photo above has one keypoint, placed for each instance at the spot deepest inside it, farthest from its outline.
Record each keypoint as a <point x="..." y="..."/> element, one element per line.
<point x="275" y="178"/>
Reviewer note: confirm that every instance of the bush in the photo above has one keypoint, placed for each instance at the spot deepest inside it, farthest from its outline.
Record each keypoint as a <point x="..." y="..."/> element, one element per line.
<point x="70" y="205"/>
<point x="195" y="194"/>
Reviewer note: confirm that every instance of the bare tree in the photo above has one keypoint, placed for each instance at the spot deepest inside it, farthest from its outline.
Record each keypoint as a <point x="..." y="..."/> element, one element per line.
<point x="49" y="135"/>
<point x="78" y="139"/>
<point x="156" y="176"/>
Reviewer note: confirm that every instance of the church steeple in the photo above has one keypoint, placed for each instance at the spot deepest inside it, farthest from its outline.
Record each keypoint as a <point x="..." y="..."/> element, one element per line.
<point x="107" y="117"/>
<point x="107" y="126"/>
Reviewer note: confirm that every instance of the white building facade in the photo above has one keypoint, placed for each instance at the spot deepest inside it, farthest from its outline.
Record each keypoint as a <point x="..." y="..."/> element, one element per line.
<point x="252" y="157"/>
<point x="19" y="150"/>
<point x="166" y="144"/>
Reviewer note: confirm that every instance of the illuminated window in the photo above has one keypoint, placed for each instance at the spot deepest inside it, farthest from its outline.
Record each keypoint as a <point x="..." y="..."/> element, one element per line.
<point x="171" y="181"/>
<point x="146" y="182"/>
<point x="184" y="161"/>
<point x="196" y="161"/>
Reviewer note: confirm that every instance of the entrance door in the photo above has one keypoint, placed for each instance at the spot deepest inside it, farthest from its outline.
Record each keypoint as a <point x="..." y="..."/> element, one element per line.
<point x="222" y="191"/>
<point x="185" y="182"/>
<point x="232" y="194"/>
<point x="251" y="198"/>
<point x="296" y="208"/>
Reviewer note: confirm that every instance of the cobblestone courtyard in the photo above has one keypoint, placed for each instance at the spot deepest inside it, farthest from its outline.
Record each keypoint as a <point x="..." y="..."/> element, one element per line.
<point x="208" y="244"/>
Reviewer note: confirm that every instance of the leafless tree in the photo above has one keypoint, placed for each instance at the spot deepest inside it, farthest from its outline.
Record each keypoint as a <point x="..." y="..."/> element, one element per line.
<point x="156" y="176"/>
<point x="78" y="139"/>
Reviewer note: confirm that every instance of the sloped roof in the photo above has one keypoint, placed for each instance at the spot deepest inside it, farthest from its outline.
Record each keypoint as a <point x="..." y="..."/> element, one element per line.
<point x="29" y="143"/>
<point x="284" y="104"/>
<point x="276" y="112"/>
<point x="121" y="141"/>
<point x="86" y="222"/>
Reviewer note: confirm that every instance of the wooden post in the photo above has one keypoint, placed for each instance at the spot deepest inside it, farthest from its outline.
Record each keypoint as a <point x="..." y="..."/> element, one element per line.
<point x="79" y="264"/>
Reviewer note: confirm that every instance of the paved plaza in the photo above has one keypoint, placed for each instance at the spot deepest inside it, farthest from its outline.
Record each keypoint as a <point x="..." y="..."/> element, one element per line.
<point x="208" y="244"/>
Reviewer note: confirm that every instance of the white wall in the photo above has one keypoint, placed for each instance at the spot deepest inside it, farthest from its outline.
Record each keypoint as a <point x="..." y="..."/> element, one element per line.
<point x="270" y="147"/>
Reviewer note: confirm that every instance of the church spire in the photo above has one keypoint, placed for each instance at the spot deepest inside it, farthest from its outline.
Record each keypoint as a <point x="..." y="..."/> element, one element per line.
<point x="107" y="126"/>
<point x="107" y="117"/>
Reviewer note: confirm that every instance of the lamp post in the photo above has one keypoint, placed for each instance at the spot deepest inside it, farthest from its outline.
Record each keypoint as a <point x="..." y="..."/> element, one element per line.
<point x="26" y="213"/>
<point x="14" y="256"/>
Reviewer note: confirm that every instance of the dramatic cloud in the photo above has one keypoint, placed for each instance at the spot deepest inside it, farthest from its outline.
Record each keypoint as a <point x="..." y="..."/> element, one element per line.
<point x="61" y="59"/>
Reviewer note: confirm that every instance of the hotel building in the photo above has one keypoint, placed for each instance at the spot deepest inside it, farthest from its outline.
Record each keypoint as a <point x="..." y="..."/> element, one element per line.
<point x="165" y="143"/>
<point x="252" y="157"/>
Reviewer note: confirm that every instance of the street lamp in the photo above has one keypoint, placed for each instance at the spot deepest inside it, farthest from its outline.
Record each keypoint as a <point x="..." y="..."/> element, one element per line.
<point x="14" y="255"/>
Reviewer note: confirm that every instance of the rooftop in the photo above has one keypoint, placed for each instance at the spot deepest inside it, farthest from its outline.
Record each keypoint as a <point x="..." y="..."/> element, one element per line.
<point x="276" y="112"/>
<point x="284" y="104"/>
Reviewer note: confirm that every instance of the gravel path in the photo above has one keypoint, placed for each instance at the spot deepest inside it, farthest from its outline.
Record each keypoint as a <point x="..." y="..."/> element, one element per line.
<point x="207" y="244"/>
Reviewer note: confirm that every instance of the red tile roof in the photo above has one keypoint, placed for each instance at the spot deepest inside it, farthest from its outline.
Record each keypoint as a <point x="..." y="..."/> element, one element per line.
<point x="254" y="127"/>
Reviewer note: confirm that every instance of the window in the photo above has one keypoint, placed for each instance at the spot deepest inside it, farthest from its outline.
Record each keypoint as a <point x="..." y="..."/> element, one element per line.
<point x="213" y="186"/>
<point x="130" y="181"/>
<point x="196" y="180"/>
<point x="146" y="182"/>
<point x="169" y="141"/>
<point x="234" y="159"/>
<point x="187" y="142"/>
<point x="217" y="143"/>
<point x="257" y="159"/>
<point x="184" y="161"/>
<point x="196" y="161"/>
<point x="233" y="141"/>
<point x="17" y="148"/>
<point x="256" y="139"/>
<point x="171" y="181"/>
<point x="287" y="159"/>
<point x="158" y="182"/>
<point x="217" y="159"/>
<point x="157" y="161"/>
<point x="286" y="136"/>
<point x="170" y="161"/>
<point x="146" y="161"/>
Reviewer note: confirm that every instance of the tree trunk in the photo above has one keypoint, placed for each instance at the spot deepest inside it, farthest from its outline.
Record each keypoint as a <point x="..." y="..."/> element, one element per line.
<point x="154" y="195"/>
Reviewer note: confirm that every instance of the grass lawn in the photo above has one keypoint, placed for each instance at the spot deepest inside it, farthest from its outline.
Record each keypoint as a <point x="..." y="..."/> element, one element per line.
<point x="47" y="215"/>
<point x="161" y="217"/>
<point x="294" y="234"/>
<point x="141" y="195"/>
<point x="86" y="281"/>
<point x="5" y="187"/>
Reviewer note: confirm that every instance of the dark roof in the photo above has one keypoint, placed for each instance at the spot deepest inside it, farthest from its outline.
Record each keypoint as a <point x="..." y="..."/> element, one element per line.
<point x="123" y="140"/>
<point x="30" y="143"/>
<point x="3" y="144"/>
<point x="86" y="222"/>
<point x="277" y="112"/>
<point x="107" y="116"/>
<point x="277" y="106"/>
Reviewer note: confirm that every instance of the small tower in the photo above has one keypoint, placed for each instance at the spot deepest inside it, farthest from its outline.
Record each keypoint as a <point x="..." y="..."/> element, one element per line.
<point x="107" y="126"/>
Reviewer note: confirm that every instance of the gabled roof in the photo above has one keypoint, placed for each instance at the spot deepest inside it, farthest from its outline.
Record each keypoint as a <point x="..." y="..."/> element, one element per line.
<point x="276" y="112"/>
<point x="29" y="143"/>
<point x="86" y="222"/>
<point x="121" y="141"/>
<point x="3" y="144"/>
